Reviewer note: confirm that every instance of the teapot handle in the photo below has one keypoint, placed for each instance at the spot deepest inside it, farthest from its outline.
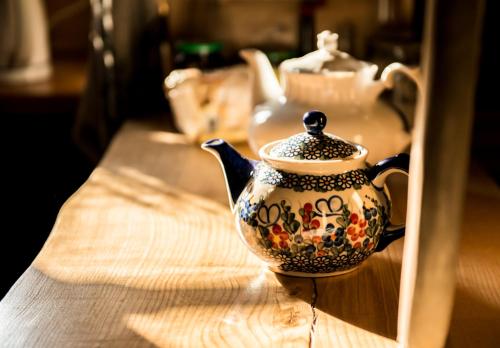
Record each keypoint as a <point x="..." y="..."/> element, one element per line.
<point x="378" y="175"/>
<point x="414" y="73"/>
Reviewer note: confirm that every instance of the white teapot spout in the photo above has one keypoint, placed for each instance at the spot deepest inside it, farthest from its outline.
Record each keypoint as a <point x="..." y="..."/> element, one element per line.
<point x="265" y="85"/>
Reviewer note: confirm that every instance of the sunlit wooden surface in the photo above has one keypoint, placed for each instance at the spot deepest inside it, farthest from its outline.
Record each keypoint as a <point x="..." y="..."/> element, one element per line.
<point x="145" y="254"/>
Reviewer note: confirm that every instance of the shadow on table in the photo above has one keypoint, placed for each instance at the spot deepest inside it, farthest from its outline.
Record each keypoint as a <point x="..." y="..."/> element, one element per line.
<point x="119" y="315"/>
<point x="347" y="298"/>
<point x="474" y="322"/>
<point x="375" y="309"/>
<point x="93" y="313"/>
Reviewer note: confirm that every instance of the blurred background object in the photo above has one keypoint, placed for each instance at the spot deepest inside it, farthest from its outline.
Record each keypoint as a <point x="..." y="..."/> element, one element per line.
<point x="24" y="42"/>
<point x="334" y="82"/>
<point x="307" y="30"/>
<point x="125" y="70"/>
<point x="397" y="37"/>
<point x="202" y="55"/>
<point x="210" y="104"/>
<point x="486" y="132"/>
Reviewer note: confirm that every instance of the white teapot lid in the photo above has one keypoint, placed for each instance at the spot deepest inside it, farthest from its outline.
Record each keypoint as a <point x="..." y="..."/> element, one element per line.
<point x="314" y="145"/>
<point x="327" y="59"/>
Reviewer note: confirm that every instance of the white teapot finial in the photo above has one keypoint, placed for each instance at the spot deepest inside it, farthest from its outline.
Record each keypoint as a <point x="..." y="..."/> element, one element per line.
<point x="327" y="41"/>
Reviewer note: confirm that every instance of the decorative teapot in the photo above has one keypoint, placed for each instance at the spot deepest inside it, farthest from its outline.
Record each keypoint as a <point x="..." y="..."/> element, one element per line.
<point x="335" y="82"/>
<point x="312" y="206"/>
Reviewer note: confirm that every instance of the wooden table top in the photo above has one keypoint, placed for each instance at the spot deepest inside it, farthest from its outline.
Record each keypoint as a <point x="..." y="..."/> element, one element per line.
<point x="145" y="253"/>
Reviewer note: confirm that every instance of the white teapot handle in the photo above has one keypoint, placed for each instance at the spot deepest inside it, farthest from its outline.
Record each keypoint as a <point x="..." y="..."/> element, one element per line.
<point x="387" y="76"/>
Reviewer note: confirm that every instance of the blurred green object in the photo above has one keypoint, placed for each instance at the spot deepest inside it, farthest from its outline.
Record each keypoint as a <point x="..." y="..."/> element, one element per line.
<point x="202" y="55"/>
<point x="199" y="47"/>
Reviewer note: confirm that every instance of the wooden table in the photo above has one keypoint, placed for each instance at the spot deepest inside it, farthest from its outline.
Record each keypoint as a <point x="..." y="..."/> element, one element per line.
<point x="145" y="253"/>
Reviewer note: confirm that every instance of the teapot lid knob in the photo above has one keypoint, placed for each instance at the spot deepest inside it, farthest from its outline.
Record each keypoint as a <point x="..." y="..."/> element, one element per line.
<point x="314" y="122"/>
<point x="326" y="40"/>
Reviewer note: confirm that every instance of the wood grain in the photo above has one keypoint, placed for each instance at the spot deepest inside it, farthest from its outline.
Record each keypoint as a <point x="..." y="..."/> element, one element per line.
<point x="145" y="254"/>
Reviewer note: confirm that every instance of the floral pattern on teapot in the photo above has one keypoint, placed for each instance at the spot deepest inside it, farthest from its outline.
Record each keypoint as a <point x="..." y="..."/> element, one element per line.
<point x="321" y="236"/>
<point x="306" y="146"/>
<point x="319" y="183"/>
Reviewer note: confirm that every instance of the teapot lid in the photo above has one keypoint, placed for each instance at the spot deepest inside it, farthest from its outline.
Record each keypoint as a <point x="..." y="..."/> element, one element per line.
<point x="327" y="59"/>
<point x="314" y="145"/>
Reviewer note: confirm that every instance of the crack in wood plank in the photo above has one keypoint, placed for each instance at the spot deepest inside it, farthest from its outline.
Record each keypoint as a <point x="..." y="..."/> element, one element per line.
<point x="314" y="296"/>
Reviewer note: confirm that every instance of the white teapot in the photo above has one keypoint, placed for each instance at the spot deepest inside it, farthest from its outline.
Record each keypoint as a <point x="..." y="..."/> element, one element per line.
<point x="334" y="82"/>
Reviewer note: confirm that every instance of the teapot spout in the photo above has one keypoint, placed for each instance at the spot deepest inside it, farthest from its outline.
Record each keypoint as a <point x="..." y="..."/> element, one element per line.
<point x="237" y="169"/>
<point x="265" y="85"/>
